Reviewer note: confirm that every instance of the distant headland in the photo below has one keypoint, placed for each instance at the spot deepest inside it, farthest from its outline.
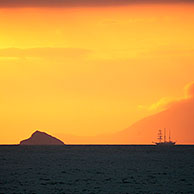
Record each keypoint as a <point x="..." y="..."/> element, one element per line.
<point x="41" y="138"/>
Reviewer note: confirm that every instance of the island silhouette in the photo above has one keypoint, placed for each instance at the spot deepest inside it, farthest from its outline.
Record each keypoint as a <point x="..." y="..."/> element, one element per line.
<point x="41" y="138"/>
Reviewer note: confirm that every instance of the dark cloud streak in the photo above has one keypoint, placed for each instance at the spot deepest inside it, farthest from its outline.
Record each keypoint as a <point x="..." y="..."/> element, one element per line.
<point x="79" y="3"/>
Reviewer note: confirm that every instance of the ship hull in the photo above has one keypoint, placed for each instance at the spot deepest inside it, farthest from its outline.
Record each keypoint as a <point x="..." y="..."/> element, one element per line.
<point x="165" y="144"/>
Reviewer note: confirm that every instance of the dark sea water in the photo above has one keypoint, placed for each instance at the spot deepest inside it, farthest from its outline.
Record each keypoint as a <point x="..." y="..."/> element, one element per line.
<point x="96" y="169"/>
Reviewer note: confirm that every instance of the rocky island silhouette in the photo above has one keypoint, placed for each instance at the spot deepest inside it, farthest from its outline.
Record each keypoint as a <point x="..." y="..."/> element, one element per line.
<point x="41" y="138"/>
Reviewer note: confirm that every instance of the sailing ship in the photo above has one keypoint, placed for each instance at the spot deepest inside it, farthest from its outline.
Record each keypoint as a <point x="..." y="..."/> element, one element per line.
<point x="162" y="140"/>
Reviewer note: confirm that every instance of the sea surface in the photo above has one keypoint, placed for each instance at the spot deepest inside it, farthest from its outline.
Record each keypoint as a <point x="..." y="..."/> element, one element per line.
<point x="96" y="169"/>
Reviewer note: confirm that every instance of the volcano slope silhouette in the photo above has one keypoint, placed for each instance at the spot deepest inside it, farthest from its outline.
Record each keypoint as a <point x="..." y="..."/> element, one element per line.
<point x="41" y="138"/>
<point x="178" y="118"/>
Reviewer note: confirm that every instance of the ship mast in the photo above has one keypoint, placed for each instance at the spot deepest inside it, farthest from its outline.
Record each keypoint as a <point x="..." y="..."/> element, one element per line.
<point x="160" y="135"/>
<point x="164" y="134"/>
<point x="169" y="136"/>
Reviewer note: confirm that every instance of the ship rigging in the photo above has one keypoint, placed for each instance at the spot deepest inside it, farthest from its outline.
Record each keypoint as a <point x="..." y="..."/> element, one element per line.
<point x="162" y="139"/>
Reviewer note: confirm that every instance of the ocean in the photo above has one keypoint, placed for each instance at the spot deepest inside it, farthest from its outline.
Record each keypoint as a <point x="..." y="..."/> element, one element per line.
<point x="96" y="169"/>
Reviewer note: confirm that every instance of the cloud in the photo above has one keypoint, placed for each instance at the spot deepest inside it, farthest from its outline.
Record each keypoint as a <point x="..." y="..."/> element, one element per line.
<point x="189" y="90"/>
<point x="18" y="53"/>
<point x="160" y="105"/>
<point x="165" y="103"/>
<point x="74" y="3"/>
<point x="164" y="52"/>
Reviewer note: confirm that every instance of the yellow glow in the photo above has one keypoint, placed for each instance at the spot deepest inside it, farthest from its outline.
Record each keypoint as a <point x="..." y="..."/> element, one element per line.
<point x="86" y="71"/>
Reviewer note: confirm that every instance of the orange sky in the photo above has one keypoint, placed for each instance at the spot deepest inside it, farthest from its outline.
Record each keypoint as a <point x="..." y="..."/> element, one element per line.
<point x="90" y="70"/>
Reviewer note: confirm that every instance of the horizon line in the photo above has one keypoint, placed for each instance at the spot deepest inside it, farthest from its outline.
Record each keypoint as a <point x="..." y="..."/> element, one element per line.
<point x="181" y="144"/>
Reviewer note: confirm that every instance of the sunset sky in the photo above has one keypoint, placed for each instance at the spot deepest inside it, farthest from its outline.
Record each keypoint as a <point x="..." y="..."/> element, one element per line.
<point x="87" y="68"/>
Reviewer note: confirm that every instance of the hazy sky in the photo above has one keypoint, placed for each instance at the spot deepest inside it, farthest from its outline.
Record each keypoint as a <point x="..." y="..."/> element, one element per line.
<point x="87" y="69"/>
<point x="78" y="3"/>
